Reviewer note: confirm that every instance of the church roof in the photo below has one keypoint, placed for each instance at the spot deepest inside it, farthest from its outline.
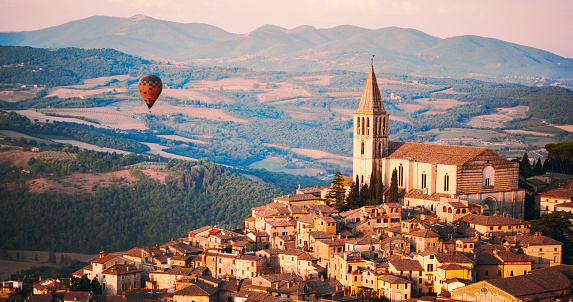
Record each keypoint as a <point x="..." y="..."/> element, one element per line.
<point x="371" y="101"/>
<point x="430" y="153"/>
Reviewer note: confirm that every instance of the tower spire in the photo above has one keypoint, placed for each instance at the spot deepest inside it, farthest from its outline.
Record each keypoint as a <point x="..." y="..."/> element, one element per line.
<point x="371" y="101"/>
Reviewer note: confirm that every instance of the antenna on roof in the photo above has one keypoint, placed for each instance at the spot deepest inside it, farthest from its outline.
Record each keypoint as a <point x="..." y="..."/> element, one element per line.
<point x="372" y="61"/>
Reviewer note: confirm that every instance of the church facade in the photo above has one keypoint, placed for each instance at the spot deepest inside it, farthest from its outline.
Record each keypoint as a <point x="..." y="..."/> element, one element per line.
<point x="427" y="172"/>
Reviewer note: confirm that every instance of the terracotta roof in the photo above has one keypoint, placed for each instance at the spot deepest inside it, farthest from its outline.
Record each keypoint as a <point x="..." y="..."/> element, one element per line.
<point x="281" y="222"/>
<point x="323" y="208"/>
<point x="564" y="205"/>
<point x="443" y="154"/>
<point x="104" y="259"/>
<point x="425" y="233"/>
<point x="507" y="256"/>
<point x="113" y="298"/>
<point x="260" y="234"/>
<point x="451" y="266"/>
<point x="406" y="265"/>
<point x="535" y="282"/>
<point x="196" y="290"/>
<point x="393" y="279"/>
<point x="371" y="100"/>
<point x="327" y="219"/>
<point x="283" y="276"/>
<point x="320" y="235"/>
<point x="559" y="192"/>
<point x="333" y="242"/>
<point x="417" y="193"/>
<point x="494" y="220"/>
<point x="250" y="294"/>
<point x="535" y="239"/>
<point x="453" y="258"/>
<point x="136" y="252"/>
<point x="200" y="230"/>
<point x="76" y="296"/>
<point x="486" y="258"/>
<point x="40" y="298"/>
<point x="120" y="269"/>
<point x="296" y="197"/>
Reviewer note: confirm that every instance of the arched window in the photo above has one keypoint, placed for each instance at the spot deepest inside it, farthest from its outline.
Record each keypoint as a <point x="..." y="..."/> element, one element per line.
<point x="358" y="126"/>
<point x="362" y="148"/>
<point x="446" y="182"/>
<point x="423" y="180"/>
<point x="400" y="176"/>
<point x="457" y="211"/>
<point x="450" y="210"/>
<point x="384" y="126"/>
<point x="363" y="126"/>
<point x="463" y="211"/>
<point x="444" y="209"/>
<point x="375" y="127"/>
<point x="488" y="176"/>
<point x="367" y="126"/>
<point x="379" y="151"/>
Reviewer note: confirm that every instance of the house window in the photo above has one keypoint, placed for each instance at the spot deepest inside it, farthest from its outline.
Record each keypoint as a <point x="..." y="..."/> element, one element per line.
<point x="487" y="272"/>
<point x="423" y="180"/>
<point x="499" y="272"/>
<point x="488" y="176"/>
<point x="511" y="273"/>
<point x="446" y="182"/>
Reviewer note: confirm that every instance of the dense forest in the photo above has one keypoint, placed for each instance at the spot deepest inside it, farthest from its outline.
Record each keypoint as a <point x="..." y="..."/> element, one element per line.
<point x="64" y="66"/>
<point x="122" y="216"/>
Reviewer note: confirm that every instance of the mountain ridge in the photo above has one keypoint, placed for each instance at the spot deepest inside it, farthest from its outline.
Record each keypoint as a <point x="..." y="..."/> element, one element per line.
<point x="303" y="48"/>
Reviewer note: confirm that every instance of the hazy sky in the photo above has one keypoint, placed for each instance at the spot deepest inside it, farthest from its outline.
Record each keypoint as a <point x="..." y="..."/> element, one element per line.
<point x="545" y="24"/>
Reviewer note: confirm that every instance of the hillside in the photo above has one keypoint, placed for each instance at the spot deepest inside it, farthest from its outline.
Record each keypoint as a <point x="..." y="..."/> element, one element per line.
<point x="305" y="48"/>
<point x="87" y="201"/>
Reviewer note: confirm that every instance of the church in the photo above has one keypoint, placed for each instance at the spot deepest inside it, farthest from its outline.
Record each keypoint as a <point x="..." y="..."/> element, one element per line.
<point x="428" y="172"/>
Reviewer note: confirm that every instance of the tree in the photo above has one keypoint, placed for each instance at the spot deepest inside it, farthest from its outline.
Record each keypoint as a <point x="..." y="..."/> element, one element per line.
<point x="393" y="191"/>
<point x="52" y="257"/>
<point x="353" y="196"/>
<point x="561" y="155"/>
<point x="85" y="284"/>
<point x="365" y="196"/>
<point x="379" y="190"/>
<point x="337" y="194"/>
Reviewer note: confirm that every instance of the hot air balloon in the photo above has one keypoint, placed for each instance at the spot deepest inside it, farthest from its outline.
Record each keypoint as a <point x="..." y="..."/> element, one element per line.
<point x="150" y="87"/>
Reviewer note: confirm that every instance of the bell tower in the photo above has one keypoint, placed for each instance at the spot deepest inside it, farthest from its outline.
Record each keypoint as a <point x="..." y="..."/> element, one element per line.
<point x="370" y="132"/>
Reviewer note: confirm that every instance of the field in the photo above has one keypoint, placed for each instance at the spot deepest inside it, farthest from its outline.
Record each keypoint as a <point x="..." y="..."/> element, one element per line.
<point x="8" y="267"/>
<point x="496" y="120"/>
<point x="16" y="95"/>
<point x="17" y="135"/>
<point x="81" y="93"/>
<point x="273" y="164"/>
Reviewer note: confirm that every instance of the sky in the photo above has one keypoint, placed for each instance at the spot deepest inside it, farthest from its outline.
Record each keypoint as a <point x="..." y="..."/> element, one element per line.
<point x="544" y="24"/>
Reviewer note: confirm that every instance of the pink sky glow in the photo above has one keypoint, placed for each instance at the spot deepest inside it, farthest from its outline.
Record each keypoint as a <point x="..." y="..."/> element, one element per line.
<point x="544" y="24"/>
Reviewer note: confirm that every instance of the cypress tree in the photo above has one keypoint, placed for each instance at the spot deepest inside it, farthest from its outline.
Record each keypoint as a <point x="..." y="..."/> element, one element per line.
<point x="379" y="190"/>
<point x="393" y="192"/>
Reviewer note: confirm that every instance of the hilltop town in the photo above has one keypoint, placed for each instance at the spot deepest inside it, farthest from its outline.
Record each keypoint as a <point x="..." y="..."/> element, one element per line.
<point x="448" y="226"/>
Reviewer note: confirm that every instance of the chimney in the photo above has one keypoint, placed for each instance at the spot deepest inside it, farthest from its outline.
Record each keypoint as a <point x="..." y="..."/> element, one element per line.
<point x="101" y="254"/>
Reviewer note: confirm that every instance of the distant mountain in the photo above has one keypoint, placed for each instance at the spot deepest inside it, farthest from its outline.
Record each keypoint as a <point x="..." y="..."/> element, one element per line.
<point x="305" y="48"/>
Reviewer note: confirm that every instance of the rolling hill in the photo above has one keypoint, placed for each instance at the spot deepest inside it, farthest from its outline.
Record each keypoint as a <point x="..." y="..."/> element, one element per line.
<point x="305" y="48"/>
